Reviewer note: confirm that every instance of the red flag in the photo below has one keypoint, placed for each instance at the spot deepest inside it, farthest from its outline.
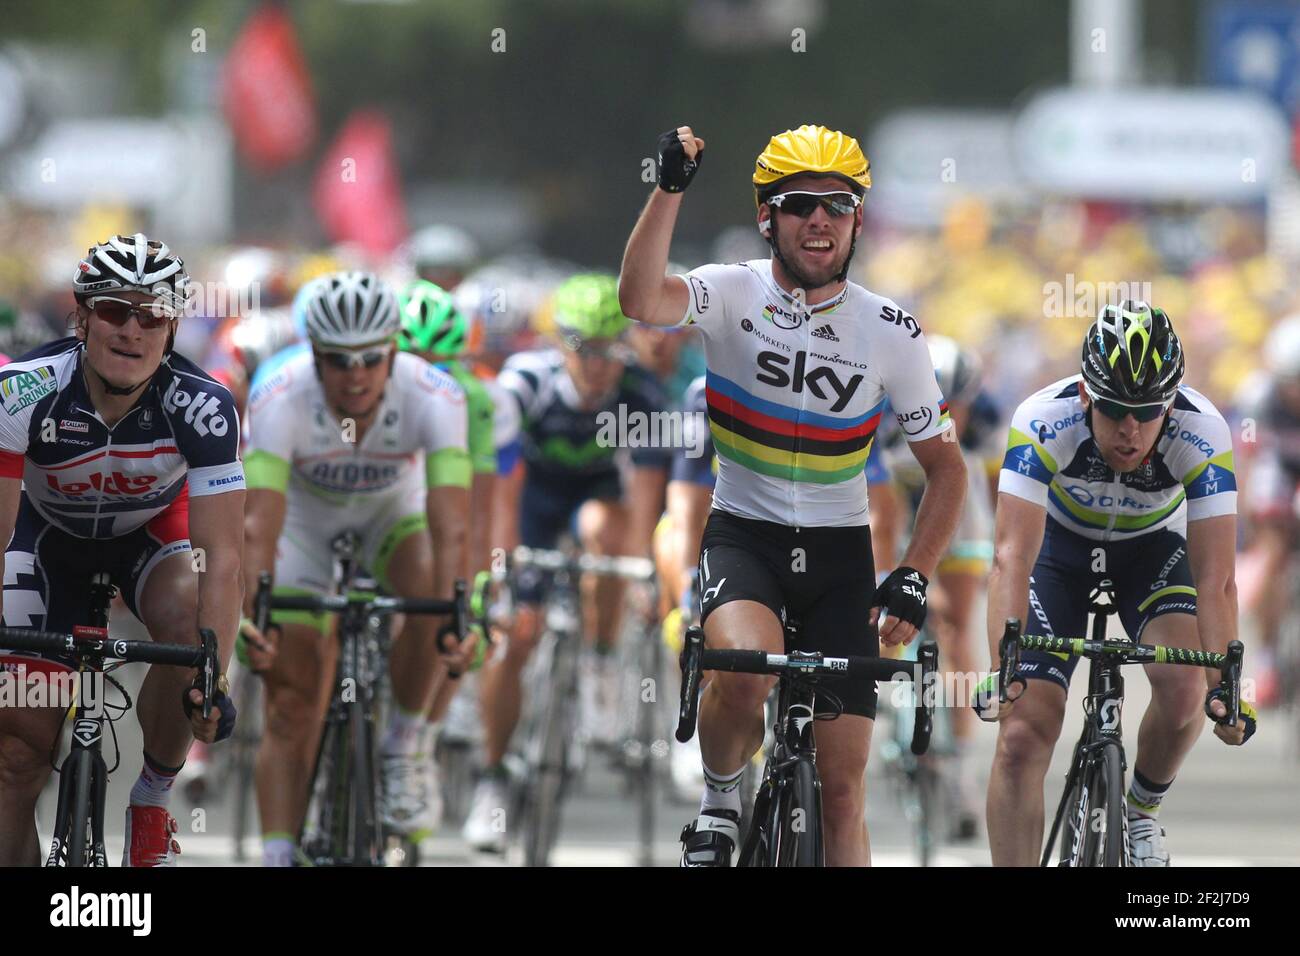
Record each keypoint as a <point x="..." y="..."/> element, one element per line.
<point x="266" y="92"/>
<point x="358" y="193"/>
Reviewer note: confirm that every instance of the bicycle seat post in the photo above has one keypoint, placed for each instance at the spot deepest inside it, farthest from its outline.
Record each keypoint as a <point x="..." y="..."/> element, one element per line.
<point x="1102" y="604"/>
<point x="102" y="592"/>
<point x="345" y="547"/>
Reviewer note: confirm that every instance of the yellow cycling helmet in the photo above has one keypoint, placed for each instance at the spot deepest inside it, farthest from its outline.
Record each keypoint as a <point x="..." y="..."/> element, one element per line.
<point x="811" y="149"/>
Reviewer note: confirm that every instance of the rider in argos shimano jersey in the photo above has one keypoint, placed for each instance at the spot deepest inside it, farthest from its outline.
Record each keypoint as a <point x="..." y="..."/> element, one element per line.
<point x="1120" y="472"/>
<point x="354" y="436"/>
<point x="118" y="454"/>
<point x="800" y="362"/>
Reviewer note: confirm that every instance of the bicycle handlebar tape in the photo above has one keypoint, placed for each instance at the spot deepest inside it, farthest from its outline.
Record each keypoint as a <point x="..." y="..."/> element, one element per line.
<point x="737" y="661"/>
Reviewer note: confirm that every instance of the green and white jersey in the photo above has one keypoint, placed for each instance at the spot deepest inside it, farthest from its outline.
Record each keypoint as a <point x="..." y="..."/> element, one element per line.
<point x="1052" y="460"/>
<point x="481" y="417"/>
<point x="297" y="445"/>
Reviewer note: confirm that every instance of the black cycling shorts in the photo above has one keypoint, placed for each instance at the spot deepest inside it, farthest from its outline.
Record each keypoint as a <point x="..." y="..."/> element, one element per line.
<point x="1151" y="574"/>
<point x="823" y="578"/>
<point x="48" y="571"/>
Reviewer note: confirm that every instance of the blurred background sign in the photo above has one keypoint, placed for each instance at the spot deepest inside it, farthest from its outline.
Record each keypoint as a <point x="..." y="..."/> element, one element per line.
<point x="177" y="169"/>
<point x="923" y="160"/>
<point x="1152" y="145"/>
<point x="1255" y="45"/>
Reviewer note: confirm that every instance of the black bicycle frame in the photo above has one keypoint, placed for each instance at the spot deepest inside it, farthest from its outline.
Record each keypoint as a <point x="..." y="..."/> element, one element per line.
<point x="83" y="775"/>
<point x="793" y="743"/>
<point x="1101" y="729"/>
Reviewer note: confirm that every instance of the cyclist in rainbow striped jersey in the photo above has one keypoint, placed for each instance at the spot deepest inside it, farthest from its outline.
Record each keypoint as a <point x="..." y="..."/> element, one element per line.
<point x="800" y="362"/>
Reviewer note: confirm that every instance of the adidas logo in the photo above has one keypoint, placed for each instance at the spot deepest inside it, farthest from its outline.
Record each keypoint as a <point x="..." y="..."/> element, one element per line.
<point x="825" y="332"/>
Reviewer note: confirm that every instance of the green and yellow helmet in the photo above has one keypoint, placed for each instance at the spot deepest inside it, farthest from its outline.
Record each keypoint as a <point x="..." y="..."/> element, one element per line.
<point x="1131" y="355"/>
<point x="431" y="323"/>
<point x="586" y="307"/>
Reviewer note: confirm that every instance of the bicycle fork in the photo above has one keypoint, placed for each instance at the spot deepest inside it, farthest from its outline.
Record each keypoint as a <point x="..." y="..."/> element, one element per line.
<point x="83" y="787"/>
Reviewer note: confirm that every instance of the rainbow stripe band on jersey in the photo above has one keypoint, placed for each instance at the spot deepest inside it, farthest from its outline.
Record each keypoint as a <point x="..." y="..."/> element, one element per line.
<point x="789" y="443"/>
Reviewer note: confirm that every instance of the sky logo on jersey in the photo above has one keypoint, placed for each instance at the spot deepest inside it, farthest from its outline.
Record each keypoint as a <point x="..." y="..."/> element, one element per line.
<point x="201" y="411"/>
<point x="899" y="317"/>
<point x="775" y="374"/>
<point x="27" y="388"/>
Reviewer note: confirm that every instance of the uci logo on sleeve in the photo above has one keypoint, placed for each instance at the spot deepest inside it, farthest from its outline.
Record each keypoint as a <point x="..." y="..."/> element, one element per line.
<point x="27" y="388"/>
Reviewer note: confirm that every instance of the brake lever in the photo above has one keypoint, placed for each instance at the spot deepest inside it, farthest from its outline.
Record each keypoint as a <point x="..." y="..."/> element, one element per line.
<point x="211" y="663"/>
<point x="1231" y="676"/>
<point x="1009" y="659"/>
<point x="688" y="711"/>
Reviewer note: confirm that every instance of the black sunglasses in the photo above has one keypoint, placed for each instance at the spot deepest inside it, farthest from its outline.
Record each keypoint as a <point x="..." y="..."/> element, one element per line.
<point x="344" y="359"/>
<point x="1143" y="413"/>
<point x="117" y="312"/>
<point x="803" y="204"/>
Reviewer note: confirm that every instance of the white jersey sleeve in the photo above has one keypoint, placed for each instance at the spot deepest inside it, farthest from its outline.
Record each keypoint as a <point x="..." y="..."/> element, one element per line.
<point x="709" y="289"/>
<point x="1035" y="444"/>
<point x="435" y="404"/>
<point x="1199" y="454"/>
<point x="908" y="375"/>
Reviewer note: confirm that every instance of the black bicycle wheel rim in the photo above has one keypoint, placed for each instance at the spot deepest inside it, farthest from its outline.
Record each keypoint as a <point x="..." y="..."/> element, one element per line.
<point x="83" y="764"/>
<point x="1103" y="835"/>
<point x="805" y="816"/>
<point x="927" y="798"/>
<point x="1112" y="769"/>
<point x="543" y="822"/>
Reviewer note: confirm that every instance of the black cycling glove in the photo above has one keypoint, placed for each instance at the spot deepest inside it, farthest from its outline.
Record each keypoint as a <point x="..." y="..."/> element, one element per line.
<point x="675" y="170"/>
<point x="902" y="595"/>
<point x="226" y="722"/>
<point x="1247" y="716"/>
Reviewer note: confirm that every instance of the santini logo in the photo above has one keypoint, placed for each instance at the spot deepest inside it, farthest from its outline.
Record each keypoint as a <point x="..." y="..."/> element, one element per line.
<point x="103" y="909"/>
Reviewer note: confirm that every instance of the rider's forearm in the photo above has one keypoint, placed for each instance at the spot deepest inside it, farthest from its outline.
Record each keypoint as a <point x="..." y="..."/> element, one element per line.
<point x="936" y="520"/>
<point x="259" y="556"/>
<point x="1216" y="613"/>
<point x="646" y="493"/>
<point x="450" y="539"/>
<point x="221" y="597"/>
<point x="481" y="491"/>
<point x="1008" y="596"/>
<point x="645" y="260"/>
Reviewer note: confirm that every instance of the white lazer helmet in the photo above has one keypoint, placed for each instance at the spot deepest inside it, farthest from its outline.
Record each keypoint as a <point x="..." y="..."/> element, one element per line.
<point x="132" y="264"/>
<point x="1283" y="348"/>
<point x="348" y="309"/>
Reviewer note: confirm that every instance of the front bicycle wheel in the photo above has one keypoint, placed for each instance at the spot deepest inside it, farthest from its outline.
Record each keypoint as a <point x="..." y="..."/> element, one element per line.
<point x="1103" y="842"/>
<point x="243" y="758"/>
<point x="800" y="841"/>
<point x="79" y="822"/>
<point x="550" y="754"/>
